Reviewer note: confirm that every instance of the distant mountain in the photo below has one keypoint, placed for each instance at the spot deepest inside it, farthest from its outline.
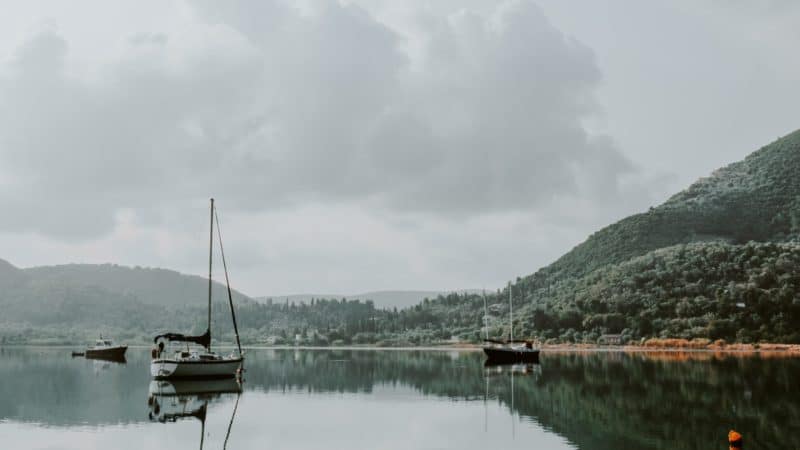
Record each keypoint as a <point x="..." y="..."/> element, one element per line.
<point x="80" y="299"/>
<point x="151" y="286"/>
<point x="382" y="299"/>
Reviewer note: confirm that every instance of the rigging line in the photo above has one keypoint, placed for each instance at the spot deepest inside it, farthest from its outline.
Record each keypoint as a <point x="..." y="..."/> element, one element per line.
<point x="235" y="406"/>
<point x="202" y="429"/>
<point x="228" y="283"/>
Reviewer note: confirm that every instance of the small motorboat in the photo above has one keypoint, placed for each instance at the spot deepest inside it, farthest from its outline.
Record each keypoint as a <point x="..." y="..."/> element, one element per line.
<point x="106" y="349"/>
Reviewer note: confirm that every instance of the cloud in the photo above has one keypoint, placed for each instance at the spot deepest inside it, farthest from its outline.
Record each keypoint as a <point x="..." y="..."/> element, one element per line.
<point x="267" y="106"/>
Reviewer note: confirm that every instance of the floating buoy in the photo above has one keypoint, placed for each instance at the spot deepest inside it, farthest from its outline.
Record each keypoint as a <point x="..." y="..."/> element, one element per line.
<point x="734" y="440"/>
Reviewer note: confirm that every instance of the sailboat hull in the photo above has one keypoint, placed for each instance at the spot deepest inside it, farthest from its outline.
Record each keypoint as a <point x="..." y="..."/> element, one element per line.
<point x="113" y="353"/>
<point x="162" y="369"/>
<point x="502" y="355"/>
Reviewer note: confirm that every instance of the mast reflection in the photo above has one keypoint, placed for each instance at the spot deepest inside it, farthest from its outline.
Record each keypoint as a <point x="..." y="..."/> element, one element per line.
<point x="171" y="401"/>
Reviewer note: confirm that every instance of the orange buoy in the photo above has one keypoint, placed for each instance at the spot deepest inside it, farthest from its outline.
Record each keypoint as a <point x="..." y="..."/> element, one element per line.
<point x="734" y="440"/>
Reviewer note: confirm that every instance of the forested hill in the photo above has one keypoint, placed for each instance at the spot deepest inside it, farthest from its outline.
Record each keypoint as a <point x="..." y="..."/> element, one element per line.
<point x="39" y="291"/>
<point x="149" y="285"/>
<point x="757" y="199"/>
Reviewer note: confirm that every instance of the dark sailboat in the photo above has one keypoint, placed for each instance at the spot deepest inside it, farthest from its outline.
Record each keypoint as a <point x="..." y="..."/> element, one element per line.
<point x="512" y="350"/>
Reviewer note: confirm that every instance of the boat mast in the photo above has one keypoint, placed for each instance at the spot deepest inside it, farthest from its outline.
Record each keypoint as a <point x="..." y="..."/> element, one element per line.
<point x="485" y="315"/>
<point x="210" y="254"/>
<point x="510" y="311"/>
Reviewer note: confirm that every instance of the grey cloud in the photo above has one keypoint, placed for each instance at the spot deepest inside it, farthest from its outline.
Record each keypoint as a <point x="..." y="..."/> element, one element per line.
<point x="309" y="107"/>
<point x="148" y="39"/>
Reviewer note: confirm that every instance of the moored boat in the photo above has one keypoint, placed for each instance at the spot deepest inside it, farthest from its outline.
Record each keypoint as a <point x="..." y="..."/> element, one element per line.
<point x="105" y="349"/>
<point x="198" y="363"/>
<point x="509" y="351"/>
<point x="194" y="364"/>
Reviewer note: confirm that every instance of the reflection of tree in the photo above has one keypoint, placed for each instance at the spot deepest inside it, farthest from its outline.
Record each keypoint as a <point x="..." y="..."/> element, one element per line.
<point x="596" y="400"/>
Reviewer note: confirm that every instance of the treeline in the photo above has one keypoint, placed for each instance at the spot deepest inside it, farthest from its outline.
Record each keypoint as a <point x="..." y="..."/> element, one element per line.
<point x="739" y="293"/>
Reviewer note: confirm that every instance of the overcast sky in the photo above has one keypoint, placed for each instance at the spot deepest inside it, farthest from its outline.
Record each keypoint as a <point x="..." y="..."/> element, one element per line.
<point x="363" y="145"/>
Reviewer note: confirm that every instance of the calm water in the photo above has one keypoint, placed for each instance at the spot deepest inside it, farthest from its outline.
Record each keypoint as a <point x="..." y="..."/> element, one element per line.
<point x="402" y="400"/>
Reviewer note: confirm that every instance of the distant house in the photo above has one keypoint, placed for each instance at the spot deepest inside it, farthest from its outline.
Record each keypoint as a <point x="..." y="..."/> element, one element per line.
<point x="610" y="339"/>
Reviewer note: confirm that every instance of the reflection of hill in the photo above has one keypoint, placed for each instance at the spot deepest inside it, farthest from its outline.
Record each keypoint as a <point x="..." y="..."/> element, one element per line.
<point x="595" y="400"/>
<point x="49" y="386"/>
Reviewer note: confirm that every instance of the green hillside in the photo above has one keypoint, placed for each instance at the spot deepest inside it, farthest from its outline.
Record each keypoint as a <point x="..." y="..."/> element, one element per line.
<point x="151" y="286"/>
<point x="757" y="199"/>
<point x="69" y="303"/>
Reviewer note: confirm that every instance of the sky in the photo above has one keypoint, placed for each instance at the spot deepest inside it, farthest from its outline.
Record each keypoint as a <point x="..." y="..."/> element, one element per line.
<point x="371" y="145"/>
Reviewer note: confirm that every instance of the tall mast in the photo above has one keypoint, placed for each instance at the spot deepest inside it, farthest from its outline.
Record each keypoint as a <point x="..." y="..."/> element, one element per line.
<point x="485" y="315"/>
<point x="210" y="254"/>
<point x="510" y="311"/>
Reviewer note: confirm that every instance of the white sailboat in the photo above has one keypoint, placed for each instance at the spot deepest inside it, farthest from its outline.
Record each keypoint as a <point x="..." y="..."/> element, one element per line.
<point x="198" y="363"/>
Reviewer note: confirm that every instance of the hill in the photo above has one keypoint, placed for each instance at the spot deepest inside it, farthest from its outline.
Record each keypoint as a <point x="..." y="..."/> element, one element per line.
<point x="720" y="259"/>
<point x="757" y="199"/>
<point x="71" y="302"/>
<point x="151" y="286"/>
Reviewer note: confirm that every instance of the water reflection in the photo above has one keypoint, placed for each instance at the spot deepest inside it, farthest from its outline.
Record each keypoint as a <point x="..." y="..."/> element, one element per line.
<point x="170" y="401"/>
<point x="110" y="359"/>
<point x="592" y="401"/>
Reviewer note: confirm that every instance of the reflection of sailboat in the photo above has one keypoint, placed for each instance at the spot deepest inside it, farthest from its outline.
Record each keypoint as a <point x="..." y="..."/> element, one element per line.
<point x="495" y="369"/>
<point x="492" y="370"/>
<point x="177" y="400"/>
<point x="188" y="364"/>
<point x="118" y="359"/>
<point x="510" y="351"/>
<point x="208" y="389"/>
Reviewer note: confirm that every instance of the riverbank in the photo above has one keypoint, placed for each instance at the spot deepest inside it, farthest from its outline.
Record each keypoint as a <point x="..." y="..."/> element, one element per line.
<point x="651" y="345"/>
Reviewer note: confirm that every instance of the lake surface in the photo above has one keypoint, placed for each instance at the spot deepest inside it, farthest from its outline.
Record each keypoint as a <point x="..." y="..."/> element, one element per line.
<point x="385" y="399"/>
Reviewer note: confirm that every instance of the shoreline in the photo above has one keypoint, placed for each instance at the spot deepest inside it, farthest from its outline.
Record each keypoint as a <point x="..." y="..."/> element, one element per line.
<point x="762" y="348"/>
